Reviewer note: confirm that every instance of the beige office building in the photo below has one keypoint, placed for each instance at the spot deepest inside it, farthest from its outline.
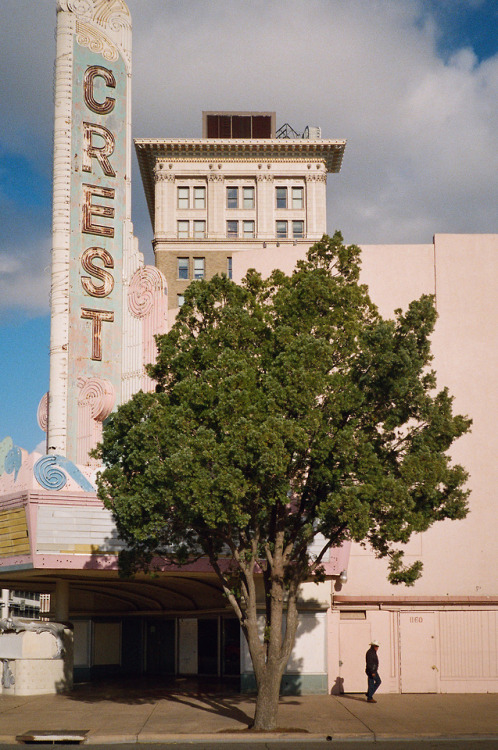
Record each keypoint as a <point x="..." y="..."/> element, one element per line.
<point x="238" y="188"/>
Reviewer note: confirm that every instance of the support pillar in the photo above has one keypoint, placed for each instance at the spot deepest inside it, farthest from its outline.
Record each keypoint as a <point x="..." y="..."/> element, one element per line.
<point x="4" y="600"/>
<point x="61" y="610"/>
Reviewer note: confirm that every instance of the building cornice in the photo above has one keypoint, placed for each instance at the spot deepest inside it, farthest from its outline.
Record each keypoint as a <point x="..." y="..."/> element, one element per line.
<point x="328" y="153"/>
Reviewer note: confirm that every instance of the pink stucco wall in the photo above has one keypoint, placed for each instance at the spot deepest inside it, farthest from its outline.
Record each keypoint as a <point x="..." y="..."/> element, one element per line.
<point x="460" y="558"/>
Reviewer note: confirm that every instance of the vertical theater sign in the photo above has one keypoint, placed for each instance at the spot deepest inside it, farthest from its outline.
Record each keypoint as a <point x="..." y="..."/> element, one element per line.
<point x="106" y="305"/>
<point x="96" y="329"/>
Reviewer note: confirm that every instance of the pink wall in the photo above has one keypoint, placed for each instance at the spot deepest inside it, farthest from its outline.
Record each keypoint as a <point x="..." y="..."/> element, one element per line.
<point x="460" y="557"/>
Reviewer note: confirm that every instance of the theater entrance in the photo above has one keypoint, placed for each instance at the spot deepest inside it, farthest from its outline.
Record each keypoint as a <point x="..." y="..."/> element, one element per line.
<point x="203" y="646"/>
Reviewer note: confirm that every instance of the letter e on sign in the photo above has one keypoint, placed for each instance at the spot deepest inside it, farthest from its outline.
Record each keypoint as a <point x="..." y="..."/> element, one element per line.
<point x="89" y="210"/>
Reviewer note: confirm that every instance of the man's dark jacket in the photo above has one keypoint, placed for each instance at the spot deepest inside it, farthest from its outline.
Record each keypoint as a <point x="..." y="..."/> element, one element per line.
<point x="372" y="661"/>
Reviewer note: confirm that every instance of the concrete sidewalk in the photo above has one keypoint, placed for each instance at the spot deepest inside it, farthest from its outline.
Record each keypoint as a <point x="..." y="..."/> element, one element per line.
<point x="139" y="714"/>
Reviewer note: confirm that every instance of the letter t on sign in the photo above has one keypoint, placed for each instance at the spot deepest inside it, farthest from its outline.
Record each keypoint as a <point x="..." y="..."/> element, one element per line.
<point x="97" y="316"/>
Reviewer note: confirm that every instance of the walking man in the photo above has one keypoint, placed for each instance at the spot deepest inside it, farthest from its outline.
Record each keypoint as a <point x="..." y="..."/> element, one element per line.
<point x="372" y="670"/>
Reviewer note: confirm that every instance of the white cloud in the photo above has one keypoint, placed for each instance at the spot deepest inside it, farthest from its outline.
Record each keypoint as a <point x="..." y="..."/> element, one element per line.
<point x="422" y="135"/>
<point x="9" y="265"/>
<point x="25" y="277"/>
<point x="422" y="131"/>
<point x="41" y="447"/>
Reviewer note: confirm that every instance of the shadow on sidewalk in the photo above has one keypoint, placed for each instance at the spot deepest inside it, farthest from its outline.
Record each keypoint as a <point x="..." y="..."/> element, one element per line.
<point x="200" y="695"/>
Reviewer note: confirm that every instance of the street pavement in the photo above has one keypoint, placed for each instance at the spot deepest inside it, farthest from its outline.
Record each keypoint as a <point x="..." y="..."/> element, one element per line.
<point x="133" y="712"/>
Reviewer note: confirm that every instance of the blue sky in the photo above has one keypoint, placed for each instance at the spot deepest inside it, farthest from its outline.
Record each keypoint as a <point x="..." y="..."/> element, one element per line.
<point x="412" y="85"/>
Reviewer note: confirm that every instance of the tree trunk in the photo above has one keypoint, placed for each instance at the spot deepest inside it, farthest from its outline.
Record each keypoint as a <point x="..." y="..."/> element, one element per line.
<point x="265" y="716"/>
<point x="270" y="675"/>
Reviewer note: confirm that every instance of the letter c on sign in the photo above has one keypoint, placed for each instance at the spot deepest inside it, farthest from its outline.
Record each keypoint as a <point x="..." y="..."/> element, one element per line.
<point x="97" y="71"/>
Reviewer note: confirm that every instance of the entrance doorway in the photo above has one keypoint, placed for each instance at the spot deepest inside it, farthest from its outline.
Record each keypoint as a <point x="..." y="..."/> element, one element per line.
<point x="209" y="646"/>
<point x="354" y="637"/>
<point x="160" y="647"/>
<point x="419" y="672"/>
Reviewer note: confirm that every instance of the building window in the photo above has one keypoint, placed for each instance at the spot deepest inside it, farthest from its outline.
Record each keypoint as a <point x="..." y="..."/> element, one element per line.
<point x="199" y="197"/>
<point x="183" y="229"/>
<point x="232" y="197"/>
<point x="232" y="228"/>
<point x="183" y="197"/>
<point x="198" y="268"/>
<point x="199" y="229"/>
<point x="229" y="268"/>
<point x="281" y="229"/>
<point x="183" y="268"/>
<point x="281" y="197"/>
<point x="297" y="197"/>
<point x="298" y="229"/>
<point x="248" y="229"/>
<point x="248" y="197"/>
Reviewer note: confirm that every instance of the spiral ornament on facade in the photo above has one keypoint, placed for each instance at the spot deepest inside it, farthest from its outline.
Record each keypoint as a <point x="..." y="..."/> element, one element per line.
<point x="51" y="472"/>
<point x="88" y="36"/>
<point x="144" y="286"/>
<point x="81" y="8"/>
<point x="42" y="413"/>
<point x="48" y="474"/>
<point x="99" y="395"/>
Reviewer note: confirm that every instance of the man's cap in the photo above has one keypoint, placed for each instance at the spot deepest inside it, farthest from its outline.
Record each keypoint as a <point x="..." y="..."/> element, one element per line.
<point x="374" y="643"/>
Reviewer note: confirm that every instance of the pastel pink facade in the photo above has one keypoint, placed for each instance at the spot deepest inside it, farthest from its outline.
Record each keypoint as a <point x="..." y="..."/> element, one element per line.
<point x="441" y="635"/>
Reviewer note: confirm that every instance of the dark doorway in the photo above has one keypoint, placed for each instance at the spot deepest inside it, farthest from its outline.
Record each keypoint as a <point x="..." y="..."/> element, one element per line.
<point x="230" y="663"/>
<point x="131" y="646"/>
<point x="207" y="646"/>
<point x="160" y="647"/>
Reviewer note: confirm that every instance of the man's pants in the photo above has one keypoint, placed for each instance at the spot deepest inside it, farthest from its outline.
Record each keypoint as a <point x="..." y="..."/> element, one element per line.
<point x="373" y="684"/>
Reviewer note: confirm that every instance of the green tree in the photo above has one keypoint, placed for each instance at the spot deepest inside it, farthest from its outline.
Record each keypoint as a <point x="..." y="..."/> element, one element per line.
<point x="285" y="408"/>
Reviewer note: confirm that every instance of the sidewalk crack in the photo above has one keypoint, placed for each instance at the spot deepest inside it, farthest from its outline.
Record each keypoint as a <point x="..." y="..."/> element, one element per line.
<point x="357" y="718"/>
<point x="146" y="720"/>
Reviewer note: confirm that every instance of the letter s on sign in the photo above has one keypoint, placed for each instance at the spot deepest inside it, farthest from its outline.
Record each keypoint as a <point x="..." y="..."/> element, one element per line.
<point x="97" y="71"/>
<point x="104" y="289"/>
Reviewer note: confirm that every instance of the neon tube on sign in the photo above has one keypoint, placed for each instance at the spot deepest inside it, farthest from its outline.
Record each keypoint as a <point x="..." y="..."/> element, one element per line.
<point x="99" y="282"/>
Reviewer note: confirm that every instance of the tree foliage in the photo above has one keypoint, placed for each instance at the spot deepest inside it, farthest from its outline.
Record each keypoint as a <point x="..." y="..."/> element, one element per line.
<point x="285" y="408"/>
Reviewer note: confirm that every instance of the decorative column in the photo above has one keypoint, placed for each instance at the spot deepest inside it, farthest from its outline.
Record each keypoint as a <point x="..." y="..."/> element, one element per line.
<point x="164" y="226"/>
<point x="265" y="202"/>
<point x="42" y="415"/>
<point x="316" y="204"/>
<point x="216" y="227"/>
<point x="96" y="401"/>
<point x="148" y="304"/>
<point x="61" y="229"/>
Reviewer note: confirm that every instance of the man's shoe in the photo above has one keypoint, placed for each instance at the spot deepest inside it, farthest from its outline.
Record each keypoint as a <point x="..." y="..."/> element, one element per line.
<point x="371" y="700"/>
